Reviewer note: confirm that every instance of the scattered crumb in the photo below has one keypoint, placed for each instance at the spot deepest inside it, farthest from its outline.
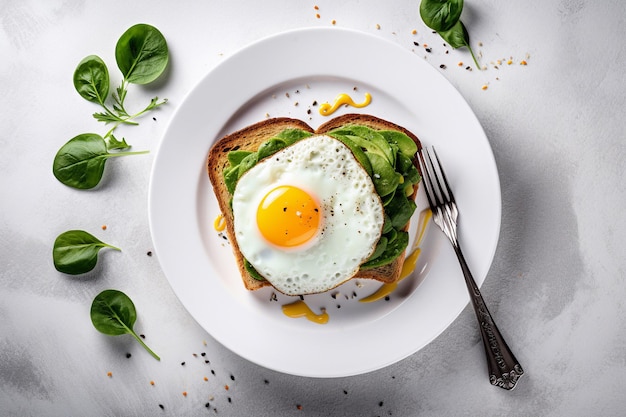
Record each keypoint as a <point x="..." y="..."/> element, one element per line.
<point x="523" y="62"/>
<point x="460" y="64"/>
<point x="184" y="393"/>
<point x="110" y="374"/>
<point x="317" y="15"/>
<point x="484" y="87"/>
<point x="151" y="382"/>
<point x="333" y="22"/>
<point x="104" y="227"/>
<point x="377" y="26"/>
<point x="414" y="32"/>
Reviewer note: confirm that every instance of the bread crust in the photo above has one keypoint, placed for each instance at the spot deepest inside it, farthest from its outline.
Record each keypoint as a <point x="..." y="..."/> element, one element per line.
<point x="250" y="138"/>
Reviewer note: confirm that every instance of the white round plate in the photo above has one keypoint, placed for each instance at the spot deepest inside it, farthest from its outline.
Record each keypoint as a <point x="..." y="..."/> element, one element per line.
<point x="290" y="74"/>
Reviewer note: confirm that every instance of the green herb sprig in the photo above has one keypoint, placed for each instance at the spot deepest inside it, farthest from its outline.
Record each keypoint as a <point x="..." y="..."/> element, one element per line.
<point x="113" y="313"/>
<point x="444" y="17"/>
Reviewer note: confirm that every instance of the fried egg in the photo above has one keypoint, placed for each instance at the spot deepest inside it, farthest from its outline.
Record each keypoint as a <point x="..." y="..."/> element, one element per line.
<point x="308" y="216"/>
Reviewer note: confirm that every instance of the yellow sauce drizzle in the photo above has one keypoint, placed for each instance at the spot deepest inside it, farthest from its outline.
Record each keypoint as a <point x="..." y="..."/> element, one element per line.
<point x="383" y="291"/>
<point x="219" y="224"/>
<point x="409" y="262"/>
<point x="326" y="109"/>
<point x="301" y="309"/>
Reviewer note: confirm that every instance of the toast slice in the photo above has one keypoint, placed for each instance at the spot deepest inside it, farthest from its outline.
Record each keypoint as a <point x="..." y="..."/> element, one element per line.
<point x="250" y="138"/>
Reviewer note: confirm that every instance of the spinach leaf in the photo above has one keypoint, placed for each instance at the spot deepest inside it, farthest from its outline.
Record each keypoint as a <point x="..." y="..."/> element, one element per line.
<point x="444" y="16"/>
<point x="91" y="79"/>
<point x="457" y="37"/>
<point x="141" y="54"/>
<point x="400" y="210"/>
<point x="113" y="313"/>
<point x="380" y="248"/>
<point x="76" y="252"/>
<point x="441" y="15"/>
<point x="80" y="162"/>
<point x="392" y="251"/>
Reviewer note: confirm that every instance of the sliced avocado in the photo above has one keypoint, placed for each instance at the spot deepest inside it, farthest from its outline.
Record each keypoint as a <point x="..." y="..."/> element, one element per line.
<point x="235" y="157"/>
<point x="270" y="147"/>
<point x="406" y="145"/>
<point x="356" y="151"/>
<point x="231" y="175"/>
<point x="247" y="163"/>
<point x="291" y="136"/>
<point x="385" y="178"/>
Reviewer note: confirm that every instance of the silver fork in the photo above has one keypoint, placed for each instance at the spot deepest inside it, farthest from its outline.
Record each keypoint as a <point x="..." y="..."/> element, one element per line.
<point x="504" y="368"/>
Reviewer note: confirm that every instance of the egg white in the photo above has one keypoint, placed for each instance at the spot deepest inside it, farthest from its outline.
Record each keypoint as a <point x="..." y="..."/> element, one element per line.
<point x="352" y="216"/>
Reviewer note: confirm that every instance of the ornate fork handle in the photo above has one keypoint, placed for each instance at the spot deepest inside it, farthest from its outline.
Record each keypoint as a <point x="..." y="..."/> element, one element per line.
<point x="504" y="368"/>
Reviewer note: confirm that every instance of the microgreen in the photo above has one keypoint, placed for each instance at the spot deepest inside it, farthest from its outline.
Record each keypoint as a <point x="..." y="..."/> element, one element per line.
<point x="443" y="16"/>
<point x="113" y="313"/>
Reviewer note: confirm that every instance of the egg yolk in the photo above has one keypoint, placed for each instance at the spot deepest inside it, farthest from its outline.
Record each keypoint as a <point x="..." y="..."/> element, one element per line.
<point x="288" y="216"/>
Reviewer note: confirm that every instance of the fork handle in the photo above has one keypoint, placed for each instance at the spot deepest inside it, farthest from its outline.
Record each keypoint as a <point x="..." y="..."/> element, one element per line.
<point x="504" y="369"/>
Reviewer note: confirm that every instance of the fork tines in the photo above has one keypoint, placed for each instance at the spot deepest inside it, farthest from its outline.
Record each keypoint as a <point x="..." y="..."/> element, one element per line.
<point x="436" y="195"/>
